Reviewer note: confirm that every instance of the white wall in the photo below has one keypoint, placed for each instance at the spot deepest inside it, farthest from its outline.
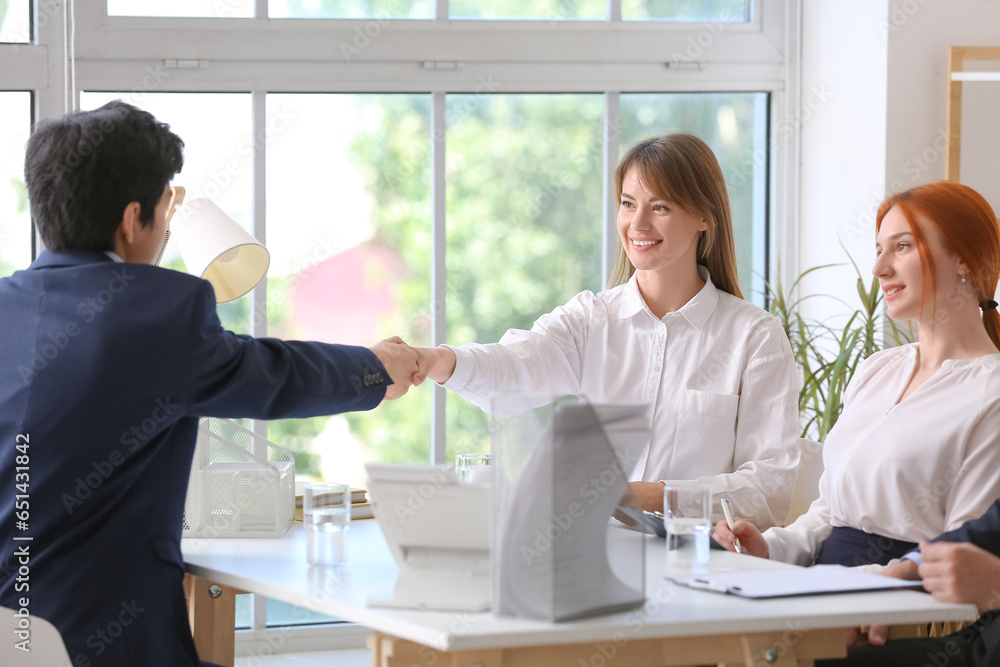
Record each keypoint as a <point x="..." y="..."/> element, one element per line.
<point x="844" y="59"/>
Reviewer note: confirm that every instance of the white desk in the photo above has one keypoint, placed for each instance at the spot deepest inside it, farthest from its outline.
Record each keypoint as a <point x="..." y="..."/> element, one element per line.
<point x="676" y="626"/>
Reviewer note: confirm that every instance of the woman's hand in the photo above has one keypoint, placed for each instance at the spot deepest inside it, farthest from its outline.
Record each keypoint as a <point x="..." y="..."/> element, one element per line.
<point x="649" y="495"/>
<point x="436" y="363"/>
<point x="751" y="539"/>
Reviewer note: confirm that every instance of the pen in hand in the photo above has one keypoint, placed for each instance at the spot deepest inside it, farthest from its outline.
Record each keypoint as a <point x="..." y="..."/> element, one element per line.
<point x="727" y="509"/>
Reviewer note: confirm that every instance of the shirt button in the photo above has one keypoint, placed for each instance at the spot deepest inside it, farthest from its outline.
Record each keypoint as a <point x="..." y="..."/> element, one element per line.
<point x="656" y="368"/>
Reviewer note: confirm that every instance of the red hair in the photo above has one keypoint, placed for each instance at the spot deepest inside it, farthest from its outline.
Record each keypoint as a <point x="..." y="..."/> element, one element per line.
<point x="967" y="226"/>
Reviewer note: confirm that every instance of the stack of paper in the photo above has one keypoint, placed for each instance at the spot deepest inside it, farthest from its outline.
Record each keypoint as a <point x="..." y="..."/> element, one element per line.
<point x="360" y="507"/>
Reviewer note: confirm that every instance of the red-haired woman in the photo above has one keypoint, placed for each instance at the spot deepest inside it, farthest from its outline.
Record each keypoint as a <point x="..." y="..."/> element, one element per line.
<point x="916" y="451"/>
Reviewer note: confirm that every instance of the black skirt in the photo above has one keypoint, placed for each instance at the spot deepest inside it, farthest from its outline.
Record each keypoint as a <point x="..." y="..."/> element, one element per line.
<point x="853" y="547"/>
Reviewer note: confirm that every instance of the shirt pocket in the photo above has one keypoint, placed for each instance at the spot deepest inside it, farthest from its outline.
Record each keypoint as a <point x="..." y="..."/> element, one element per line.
<point x="706" y="430"/>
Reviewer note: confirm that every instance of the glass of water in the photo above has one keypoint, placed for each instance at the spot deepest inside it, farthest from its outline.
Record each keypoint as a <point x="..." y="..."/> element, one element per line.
<point x="473" y="468"/>
<point x="326" y="512"/>
<point x="687" y="517"/>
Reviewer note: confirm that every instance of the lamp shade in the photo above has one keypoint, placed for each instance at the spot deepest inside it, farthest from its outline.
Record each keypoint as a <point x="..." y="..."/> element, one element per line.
<point x="216" y="248"/>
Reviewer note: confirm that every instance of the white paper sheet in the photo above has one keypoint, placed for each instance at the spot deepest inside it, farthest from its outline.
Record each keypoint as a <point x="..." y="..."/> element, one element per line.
<point x="813" y="580"/>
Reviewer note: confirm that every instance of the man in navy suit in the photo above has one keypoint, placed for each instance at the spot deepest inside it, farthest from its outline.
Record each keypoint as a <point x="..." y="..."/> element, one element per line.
<point x="962" y="565"/>
<point x="106" y="364"/>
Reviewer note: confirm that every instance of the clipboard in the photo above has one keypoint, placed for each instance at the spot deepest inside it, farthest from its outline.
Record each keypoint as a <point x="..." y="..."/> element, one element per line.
<point x="815" y="580"/>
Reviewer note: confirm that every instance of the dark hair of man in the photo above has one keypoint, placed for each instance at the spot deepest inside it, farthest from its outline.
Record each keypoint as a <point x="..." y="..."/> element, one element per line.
<point x="83" y="169"/>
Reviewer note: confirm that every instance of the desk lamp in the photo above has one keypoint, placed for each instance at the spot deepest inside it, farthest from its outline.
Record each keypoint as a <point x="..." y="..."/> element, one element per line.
<point x="215" y="247"/>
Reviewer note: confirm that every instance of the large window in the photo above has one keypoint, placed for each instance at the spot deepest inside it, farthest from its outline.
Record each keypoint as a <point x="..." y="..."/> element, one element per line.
<point x="15" y="224"/>
<point x="349" y="229"/>
<point x="387" y="149"/>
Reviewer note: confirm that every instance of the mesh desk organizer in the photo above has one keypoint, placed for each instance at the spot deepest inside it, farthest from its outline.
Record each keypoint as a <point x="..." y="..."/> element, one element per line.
<point x="241" y="484"/>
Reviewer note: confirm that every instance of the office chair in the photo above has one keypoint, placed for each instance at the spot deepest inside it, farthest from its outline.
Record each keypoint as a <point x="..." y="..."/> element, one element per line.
<point x="45" y="644"/>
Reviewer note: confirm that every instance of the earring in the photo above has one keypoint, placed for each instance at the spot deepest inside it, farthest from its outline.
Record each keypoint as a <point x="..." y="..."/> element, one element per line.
<point x="963" y="277"/>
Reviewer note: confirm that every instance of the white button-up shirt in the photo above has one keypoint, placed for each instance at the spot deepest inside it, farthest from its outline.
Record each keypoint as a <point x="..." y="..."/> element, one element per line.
<point x="718" y="374"/>
<point x="909" y="470"/>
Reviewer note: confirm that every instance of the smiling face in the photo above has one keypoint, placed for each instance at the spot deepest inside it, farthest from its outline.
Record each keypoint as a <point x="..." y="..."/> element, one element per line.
<point x="654" y="232"/>
<point x="901" y="273"/>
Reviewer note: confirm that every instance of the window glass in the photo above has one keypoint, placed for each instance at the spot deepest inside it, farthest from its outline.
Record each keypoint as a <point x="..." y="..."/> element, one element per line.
<point x="348" y="210"/>
<point x="351" y="9"/>
<point x="218" y="153"/>
<point x="15" y="220"/>
<point x="185" y="8"/>
<point x="15" y="22"/>
<point x="283" y="614"/>
<point x="524" y="221"/>
<point x="244" y="606"/>
<point x="539" y="10"/>
<point x="734" y="125"/>
<point x="724" y="11"/>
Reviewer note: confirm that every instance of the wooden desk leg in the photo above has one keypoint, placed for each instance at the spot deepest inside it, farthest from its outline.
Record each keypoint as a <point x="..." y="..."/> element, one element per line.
<point x="212" y="614"/>
<point x="786" y="649"/>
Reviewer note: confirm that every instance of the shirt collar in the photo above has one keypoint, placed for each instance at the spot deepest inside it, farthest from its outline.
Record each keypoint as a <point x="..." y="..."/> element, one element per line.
<point x="114" y="256"/>
<point x="48" y="258"/>
<point x="696" y="311"/>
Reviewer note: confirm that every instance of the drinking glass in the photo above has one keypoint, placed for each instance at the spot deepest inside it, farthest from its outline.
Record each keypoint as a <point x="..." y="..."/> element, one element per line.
<point x="327" y="516"/>
<point x="473" y="468"/>
<point x="687" y="517"/>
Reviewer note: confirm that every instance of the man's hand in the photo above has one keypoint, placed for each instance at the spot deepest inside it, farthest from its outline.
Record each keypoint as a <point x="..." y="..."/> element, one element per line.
<point x="400" y="361"/>
<point x="878" y="634"/>
<point x="961" y="572"/>
<point x="751" y="539"/>
<point x="436" y="363"/>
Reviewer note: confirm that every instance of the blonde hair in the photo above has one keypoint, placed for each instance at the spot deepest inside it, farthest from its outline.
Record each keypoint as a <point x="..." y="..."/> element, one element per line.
<point x="682" y="169"/>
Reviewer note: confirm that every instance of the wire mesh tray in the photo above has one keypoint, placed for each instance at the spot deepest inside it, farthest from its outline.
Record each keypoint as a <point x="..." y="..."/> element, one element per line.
<point x="241" y="484"/>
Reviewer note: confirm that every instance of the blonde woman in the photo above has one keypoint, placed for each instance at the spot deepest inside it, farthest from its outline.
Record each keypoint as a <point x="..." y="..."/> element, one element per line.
<point x="672" y="330"/>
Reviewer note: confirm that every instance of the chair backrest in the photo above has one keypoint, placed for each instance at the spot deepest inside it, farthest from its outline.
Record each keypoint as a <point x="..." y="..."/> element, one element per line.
<point x="806" y="479"/>
<point x="45" y="645"/>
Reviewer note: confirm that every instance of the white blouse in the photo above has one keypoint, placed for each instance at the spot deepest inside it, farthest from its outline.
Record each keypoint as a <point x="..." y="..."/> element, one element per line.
<point x="909" y="469"/>
<point x="718" y="372"/>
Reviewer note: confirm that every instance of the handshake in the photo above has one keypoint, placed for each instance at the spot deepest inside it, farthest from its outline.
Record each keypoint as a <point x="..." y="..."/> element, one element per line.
<point x="410" y="366"/>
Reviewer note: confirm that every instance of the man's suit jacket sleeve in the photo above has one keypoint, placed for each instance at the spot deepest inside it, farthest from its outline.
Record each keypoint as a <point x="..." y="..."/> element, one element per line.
<point x="266" y="378"/>
<point x="984" y="532"/>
